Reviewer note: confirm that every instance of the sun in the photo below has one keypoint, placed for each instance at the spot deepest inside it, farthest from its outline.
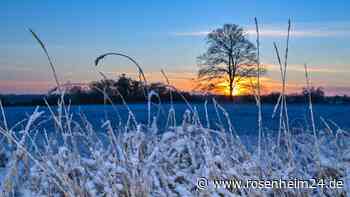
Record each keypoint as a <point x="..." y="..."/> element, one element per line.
<point x="240" y="88"/>
<point x="225" y="89"/>
<point x="243" y="87"/>
<point x="236" y="90"/>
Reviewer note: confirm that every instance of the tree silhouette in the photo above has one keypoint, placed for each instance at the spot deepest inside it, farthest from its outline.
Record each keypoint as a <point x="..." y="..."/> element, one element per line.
<point x="124" y="85"/>
<point x="230" y="57"/>
<point x="317" y="94"/>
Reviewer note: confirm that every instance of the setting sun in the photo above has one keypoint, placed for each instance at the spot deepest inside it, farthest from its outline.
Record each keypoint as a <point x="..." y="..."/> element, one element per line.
<point x="243" y="87"/>
<point x="224" y="88"/>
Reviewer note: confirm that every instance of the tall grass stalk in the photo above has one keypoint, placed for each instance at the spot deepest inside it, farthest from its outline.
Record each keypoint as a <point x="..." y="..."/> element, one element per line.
<point x="168" y="83"/>
<point x="139" y="68"/>
<point x="171" y="120"/>
<point x="308" y="87"/>
<point x="5" y="123"/>
<point x="280" y="102"/>
<point x="48" y="58"/>
<point x="258" y="98"/>
<point x="285" y="75"/>
<point x="104" y="77"/>
<point x="283" y="118"/>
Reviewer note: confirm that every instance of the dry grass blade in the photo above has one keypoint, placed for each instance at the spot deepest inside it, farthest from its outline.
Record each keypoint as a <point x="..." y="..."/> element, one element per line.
<point x="258" y="99"/>
<point x="328" y="128"/>
<point x="121" y="97"/>
<point x="4" y="120"/>
<point x="141" y="75"/>
<point x="3" y="115"/>
<point x="310" y="99"/>
<point x="168" y="83"/>
<point x="311" y="108"/>
<point x="176" y="91"/>
<point x="287" y="46"/>
<point x="278" y="58"/>
<point x="281" y="97"/>
<point x="285" y="75"/>
<point x="99" y="58"/>
<point x="48" y="58"/>
<point x="165" y="76"/>
<point x="276" y="106"/>
<point x="284" y="119"/>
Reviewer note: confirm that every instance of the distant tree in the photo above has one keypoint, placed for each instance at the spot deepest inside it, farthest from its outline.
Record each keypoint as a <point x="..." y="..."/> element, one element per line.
<point x="160" y="88"/>
<point x="124" y="85"/>
<point x="229" y="58"/>
<point x="136" y="88"/>
<point x="317" y="94"/>
<point x="107" y="86"/>
<point x="2" y="99"/>
<point x="76" y="90"/>
<point x="271" y="98"/>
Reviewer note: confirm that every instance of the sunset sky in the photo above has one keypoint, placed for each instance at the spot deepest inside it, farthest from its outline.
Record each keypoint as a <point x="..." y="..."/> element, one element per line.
<point x="169" y="35"/>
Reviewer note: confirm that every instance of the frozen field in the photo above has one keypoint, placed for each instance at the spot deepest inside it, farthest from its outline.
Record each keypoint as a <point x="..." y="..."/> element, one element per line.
<point x="180" y="151"/>
<point x="243" y="116"/>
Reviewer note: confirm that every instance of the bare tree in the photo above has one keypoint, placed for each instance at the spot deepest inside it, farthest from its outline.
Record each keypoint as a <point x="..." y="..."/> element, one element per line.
<point x="229" y="58"/>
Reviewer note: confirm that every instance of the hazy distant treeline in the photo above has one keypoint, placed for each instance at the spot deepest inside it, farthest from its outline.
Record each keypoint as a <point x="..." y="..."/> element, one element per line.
<point x="133" y="91"/>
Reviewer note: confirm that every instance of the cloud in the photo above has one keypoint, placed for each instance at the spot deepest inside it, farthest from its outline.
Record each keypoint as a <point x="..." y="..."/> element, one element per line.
<point x="275" y="33"/>
<point x="195" y="34"/>
<point x="298" y="30"/>
<point x="296" y="33"/>
<point x="313" y="69"/>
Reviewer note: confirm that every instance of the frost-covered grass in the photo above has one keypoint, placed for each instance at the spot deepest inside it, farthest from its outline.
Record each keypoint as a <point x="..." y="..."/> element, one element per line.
<point x="132" y="159"/>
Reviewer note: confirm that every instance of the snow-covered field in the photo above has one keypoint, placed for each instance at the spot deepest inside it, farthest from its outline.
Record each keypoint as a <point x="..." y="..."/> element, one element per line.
<point x="145" y="159"/>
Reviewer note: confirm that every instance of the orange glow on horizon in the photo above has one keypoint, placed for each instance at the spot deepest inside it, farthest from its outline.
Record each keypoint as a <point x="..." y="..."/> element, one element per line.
<point x="242" y="87"/>
<point x="224" y="88"/>
<point x="182" y="81"/>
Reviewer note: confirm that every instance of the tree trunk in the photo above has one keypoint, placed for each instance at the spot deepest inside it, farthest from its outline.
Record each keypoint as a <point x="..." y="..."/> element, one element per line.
<point x="231" y="89"/>
<point x="230" y="60"/>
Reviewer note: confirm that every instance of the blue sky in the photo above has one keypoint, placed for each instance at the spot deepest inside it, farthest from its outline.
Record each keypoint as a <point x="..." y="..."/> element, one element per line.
<point x="166" y="34"/>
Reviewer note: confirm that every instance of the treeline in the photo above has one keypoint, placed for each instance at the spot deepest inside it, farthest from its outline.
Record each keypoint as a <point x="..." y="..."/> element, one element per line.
<point x="317" y="95"/>
<point x="104" y="92"/>
<point x="133" y="91"/>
